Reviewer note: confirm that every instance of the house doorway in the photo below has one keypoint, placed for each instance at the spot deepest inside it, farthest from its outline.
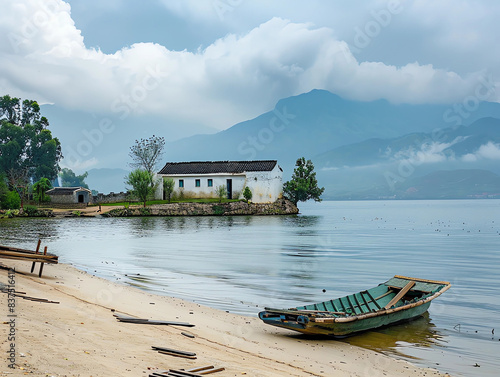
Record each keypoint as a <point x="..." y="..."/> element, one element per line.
<point x="229" y="186"/>
<point x="81" y="198"/>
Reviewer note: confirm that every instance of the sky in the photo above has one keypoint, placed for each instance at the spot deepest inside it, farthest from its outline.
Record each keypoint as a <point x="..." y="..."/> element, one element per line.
<point x="183" y="67"/>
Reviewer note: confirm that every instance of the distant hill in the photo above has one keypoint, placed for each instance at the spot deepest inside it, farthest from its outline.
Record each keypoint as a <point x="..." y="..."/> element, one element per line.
<point x="439" y="184"/>
<point x="106" y="180"/>
<point x="456" y="142"/>
<point x="454" y="184"/>
<point x="388" y="168"/>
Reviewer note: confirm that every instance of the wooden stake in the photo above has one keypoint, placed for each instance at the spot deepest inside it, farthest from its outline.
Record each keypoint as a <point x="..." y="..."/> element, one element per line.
<point x="41" y="264"/>
<point x="36" y="252"/>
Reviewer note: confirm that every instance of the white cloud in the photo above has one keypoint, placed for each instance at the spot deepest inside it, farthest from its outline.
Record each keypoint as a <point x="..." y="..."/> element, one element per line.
<point x="488" y="151"/>
<point x="429" y="153"/>
<point x="233" y="79"/>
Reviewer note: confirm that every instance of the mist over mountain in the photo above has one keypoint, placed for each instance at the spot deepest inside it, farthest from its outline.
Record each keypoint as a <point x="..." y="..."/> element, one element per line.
<point x="317" y="122"/>
<point x="361" y="150"/>
<point x="387" y="168"/>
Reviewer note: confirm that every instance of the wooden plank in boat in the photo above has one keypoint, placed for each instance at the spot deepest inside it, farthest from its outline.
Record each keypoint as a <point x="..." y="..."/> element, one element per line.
<point x="400" y="295"/>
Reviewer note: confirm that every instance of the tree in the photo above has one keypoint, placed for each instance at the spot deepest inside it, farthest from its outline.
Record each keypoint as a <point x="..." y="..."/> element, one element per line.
<point x="4" y="189"/>
<point x="11" y="201"/>
<point x="18" y="180"/>
<point x="146" y="153"/>
<point x="247" y="194"/>
<point x="140" y="180"/>
<point x="221" y="192"/>
<point x="40" y="188"/>
<point x="70" y="179"/>
<point x="25" y="142"/>
<point x="168" y="188"/>
<point x="303" y="185"/>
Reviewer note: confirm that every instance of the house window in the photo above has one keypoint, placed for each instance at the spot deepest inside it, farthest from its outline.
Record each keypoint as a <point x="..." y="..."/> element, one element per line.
<point x="181" y="183"/>
<point x="210" y="182"/>
<point x="197" y="183"/>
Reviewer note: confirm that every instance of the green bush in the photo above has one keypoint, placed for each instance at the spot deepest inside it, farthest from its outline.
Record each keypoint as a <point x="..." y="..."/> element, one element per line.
<point x="31" y="210"/>
<point x="11" y="201"/>
<point x="247" y="194"/>
<point x="145" y="211"/>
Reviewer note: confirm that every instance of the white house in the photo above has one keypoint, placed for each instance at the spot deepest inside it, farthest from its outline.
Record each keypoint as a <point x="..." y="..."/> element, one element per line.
<point x="201" y="179"/>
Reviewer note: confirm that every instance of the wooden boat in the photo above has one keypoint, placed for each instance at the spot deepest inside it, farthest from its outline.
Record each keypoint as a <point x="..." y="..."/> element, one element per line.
<point x="399" y="299"/>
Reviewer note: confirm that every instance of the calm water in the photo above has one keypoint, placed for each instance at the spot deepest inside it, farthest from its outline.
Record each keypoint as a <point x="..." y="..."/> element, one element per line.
<point x="242" y="264"/>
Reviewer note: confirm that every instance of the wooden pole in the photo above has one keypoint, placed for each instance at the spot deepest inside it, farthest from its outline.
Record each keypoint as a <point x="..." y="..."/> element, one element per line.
<point x="36" y="252"/>
<point x="215" y="370"/>
<point x="41" y="264"/>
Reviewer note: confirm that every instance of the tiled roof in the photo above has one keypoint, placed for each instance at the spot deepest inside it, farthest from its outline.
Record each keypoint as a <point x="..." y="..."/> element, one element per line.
<point x="213" y="167"/>
<point x="64" y="190"/>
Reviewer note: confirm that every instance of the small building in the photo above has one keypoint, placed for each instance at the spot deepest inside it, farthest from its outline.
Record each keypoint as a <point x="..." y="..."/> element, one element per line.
<point x="202" y="179"/>
<point x="70" y="195"/>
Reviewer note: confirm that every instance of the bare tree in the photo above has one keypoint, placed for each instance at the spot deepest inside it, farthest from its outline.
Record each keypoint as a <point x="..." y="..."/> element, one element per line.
<point x="146" y="154"/>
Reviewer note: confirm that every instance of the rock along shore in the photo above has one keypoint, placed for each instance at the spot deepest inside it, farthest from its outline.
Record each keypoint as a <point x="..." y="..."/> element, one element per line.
<point x="280" y="207"/>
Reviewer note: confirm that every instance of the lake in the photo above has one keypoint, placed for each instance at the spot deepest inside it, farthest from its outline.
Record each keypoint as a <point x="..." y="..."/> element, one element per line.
<point x="242" y="264"/>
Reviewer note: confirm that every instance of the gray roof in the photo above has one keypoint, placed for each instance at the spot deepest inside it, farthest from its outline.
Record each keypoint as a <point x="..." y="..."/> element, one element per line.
<point x="65" y="190"/>
<point x="213" y="167"/>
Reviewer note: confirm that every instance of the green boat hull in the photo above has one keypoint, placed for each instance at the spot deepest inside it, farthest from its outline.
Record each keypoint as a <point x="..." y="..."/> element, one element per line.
<point x="344" y="329"/>
<point x="398" y="300"/>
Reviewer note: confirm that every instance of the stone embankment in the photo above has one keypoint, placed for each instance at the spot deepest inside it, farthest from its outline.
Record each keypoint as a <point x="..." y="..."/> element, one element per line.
<point x="280" y="207"/>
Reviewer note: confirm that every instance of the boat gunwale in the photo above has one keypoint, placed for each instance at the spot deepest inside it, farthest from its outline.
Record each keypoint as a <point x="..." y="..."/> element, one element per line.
<point x="423" y="280"/>
<point x="380" y="312"/>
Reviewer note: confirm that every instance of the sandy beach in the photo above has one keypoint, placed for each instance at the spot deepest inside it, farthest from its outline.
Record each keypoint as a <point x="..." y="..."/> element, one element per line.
<point x="79" y="336"/>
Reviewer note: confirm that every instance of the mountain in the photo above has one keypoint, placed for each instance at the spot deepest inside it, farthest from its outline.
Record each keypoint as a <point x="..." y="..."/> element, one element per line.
<point x="387" y="168"/>
<point x="454" y="184"/>
<point x="317" y="122"/>
<point x="360" y="149"/>
<point x="453" y="142"/>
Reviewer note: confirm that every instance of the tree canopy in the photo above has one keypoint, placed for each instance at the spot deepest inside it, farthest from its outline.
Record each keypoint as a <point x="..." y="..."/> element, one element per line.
<point x="40" y="188"/>
<point x="303" y="185"/>
<point x="140" y="180"/>
<point x="70" y="179"/>
<point x="28" y="151"/>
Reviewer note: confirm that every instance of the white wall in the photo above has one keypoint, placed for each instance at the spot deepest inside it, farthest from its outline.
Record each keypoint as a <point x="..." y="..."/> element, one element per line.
<point x="190" y="189"/>
<point x="266" y="187"/>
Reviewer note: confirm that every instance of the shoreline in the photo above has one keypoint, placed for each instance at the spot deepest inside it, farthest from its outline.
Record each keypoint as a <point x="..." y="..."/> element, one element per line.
<point x="239" y="208"/>
<point x="80" y="337"/>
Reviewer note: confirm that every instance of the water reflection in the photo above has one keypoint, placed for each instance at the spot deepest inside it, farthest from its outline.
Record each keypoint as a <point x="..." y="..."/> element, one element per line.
<point x="26" y="232"/>
<point x="420" y="332"/>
